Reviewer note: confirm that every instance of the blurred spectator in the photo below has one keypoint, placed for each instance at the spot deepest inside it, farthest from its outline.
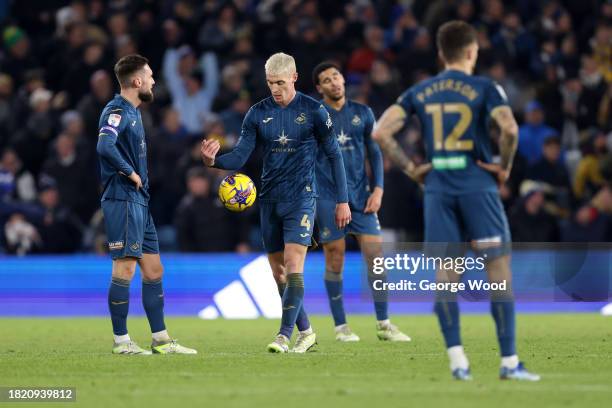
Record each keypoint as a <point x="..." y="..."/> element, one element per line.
<point x="202" y="222"/>
<point x="193" y="93"/>
<point x="361" y="60"/>
<point x="588" y="179"/>
<point x="21" y="237"/>
<point x="6" y="108"/>
<point x="74" y="178"/>
<point x="587" y="225"/>
<point x="533" y="132"/>
<point x="91" y="105"/>
<point x="60" y="230"/>
<point x="529" y="212"/>
<point x="16" y="182"/>
<point x="550" y="168"/>
<point x="19" y="59"/>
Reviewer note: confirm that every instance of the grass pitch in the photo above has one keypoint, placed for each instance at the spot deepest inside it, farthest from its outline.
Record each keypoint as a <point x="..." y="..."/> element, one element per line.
<point x="572" y="352"/>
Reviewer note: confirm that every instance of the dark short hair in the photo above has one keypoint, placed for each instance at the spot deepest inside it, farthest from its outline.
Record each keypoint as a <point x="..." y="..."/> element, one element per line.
<point x="325" y="65"/>
<point x="453" y="37"/>
<point x="127" y="66"/>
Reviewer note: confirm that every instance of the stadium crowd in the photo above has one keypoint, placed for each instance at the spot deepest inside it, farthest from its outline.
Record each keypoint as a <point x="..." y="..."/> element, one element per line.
<point x="553" y="58"/>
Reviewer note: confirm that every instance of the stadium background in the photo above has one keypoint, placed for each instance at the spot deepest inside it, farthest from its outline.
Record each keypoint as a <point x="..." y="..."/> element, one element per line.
<point x="553" y="58"/>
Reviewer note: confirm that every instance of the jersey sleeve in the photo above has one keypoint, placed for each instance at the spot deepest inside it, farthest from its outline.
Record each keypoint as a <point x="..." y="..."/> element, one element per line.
<point x="324" y="133"/>
<point x="405" y="101"/>
<point x="374" y="154"/>
<point x="236" y="158"/>
<point x="112" y="125"/>
<point x="494" y="97"/>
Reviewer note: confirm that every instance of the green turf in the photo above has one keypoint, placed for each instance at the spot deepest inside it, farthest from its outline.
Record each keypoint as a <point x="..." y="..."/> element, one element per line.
<point x="572" y="352"/>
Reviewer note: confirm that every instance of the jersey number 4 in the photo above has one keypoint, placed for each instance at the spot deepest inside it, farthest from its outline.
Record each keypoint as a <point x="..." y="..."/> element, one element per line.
<point x="452" y="141"/>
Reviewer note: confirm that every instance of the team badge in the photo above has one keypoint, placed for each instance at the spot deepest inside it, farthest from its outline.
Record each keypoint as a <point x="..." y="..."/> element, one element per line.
<point x="114" y="119"/>
<point x="134" y="246"/>
<point x="301" y="119"/>
<point x="326" y="232"/>
<point x="356" y="120"/>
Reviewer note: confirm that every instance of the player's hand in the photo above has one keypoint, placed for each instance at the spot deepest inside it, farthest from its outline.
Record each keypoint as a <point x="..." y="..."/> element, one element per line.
<point x="374" y="201"/>
<point x="501" y="174"/>
<point x="208" y="151"/>
<point x="343" y="215"/>
<point x="419" y="172"/>
<point x="136" y="180"/>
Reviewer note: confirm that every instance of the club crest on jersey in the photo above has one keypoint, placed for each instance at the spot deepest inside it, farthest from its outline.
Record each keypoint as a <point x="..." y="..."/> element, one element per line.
<point x="114" y="119"/>
<point x="301" y="119"/>
<point x="356" y="121"/>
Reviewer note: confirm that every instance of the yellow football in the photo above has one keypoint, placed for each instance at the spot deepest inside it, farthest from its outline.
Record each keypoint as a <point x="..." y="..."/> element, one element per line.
<point x="237" y="192"/>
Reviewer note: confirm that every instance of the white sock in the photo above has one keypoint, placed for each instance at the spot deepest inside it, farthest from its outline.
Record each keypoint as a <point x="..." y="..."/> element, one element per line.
<point x="385" y="322"/>
<point x="340" y="327"/>
<point x="510" y="362"/>
<point x="307" y="331"/>
<point x="161" y="335"/>
<point x="457" y="358"/>
<point x="121" y="339"/>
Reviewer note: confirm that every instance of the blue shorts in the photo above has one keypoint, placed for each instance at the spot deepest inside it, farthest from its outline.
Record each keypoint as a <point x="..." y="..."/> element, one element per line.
<point x="129" y="229"/>
<point x="286" y="222"/>
<point x="361" y="223"/>
<point x="476" y="217"/>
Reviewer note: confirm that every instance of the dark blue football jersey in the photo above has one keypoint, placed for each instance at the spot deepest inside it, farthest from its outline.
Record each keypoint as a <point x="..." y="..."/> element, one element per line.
<point x="122" y="149"/>
<point x="353" y="131"/>
<point x="290" y="137"/>
<point x="454" y="110"/>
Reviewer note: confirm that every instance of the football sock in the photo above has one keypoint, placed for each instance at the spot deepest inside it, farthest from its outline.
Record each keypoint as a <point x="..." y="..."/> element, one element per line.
<point x="119" y="305"/>
<point x="503" y="314"/>
<point x="448" y="317"/>
<point x="510" y="362"/>
<point x="153" y="302"/>
<point x="457" y="358"/>
<point x="121" y="339"/>
<point x="292" y="303"/>
<point x="381" y="306"/>
<point x="161" y="336"/>
<point x="302" y="321"/>
<point x="333" y="284"/>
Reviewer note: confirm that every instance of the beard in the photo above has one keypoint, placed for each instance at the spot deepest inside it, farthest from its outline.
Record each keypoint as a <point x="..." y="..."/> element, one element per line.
<point x="145" y="96"/>
<point x="336" y="98"/>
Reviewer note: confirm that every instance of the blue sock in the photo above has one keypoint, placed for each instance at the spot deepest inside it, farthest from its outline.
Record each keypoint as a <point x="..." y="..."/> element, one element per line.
<point x="292" y="303"/>
<point x="448" y="317"/>
<point x="302" y="321"/>
<point x="381" y="305"/>
<point x="119" y="305"/>
<point x="333" y="284"/>
<point x="153" y="302"/>
<point x="503" y="314"/>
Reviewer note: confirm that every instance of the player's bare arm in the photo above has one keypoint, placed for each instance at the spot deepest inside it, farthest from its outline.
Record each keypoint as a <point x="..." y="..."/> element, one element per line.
<point x="390" y="123"/>
<point x="508" y="143"/>
<point x="374" y="201"/>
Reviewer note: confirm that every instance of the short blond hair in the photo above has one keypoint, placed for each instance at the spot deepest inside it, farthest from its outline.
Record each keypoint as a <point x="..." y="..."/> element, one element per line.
<point x="280" y="63"/>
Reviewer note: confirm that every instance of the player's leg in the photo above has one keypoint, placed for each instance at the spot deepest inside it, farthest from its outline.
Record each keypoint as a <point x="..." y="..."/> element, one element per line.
<point x="334" y="265"/>
<point x="332" y="240"/>
<point x="298" y="221"/>
<point x="153" y="301"/>
<point x="487" y="225"/>
<point x="277" y="264"/>
<point x="121" y="226"/>
<point x="442" y="230"/>
<point x="370" y="243"/>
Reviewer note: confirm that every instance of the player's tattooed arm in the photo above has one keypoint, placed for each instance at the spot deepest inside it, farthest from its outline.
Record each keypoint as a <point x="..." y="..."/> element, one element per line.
<point x="508" y="141"/>
<point x="390" y="123"/>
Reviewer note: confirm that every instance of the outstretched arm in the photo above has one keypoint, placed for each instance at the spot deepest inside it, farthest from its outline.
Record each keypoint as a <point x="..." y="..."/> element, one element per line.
<point x="236" y="158"/>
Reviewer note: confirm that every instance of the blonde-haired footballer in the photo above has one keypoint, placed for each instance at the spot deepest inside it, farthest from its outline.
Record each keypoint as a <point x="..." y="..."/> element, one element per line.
<point x="290" y="127"/>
